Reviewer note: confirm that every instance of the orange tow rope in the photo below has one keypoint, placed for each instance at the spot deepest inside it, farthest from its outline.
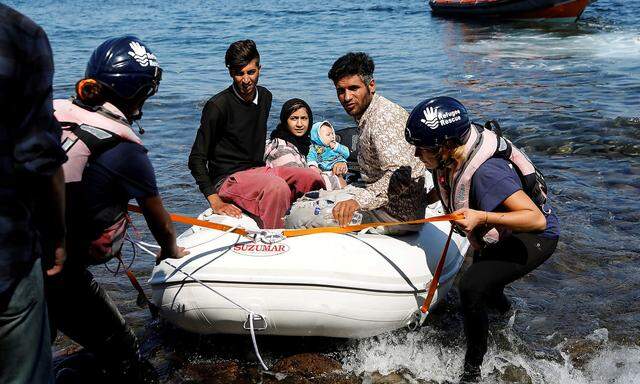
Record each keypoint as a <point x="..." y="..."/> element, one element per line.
<point x="191" y="221"/>
<point x="436" y="280"/>
<point x="307" y="231"/>
<point x="142" y="297"/>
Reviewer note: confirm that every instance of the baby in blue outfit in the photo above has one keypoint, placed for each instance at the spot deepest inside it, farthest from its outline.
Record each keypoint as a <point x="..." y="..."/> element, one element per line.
<point x="325" y="151"/>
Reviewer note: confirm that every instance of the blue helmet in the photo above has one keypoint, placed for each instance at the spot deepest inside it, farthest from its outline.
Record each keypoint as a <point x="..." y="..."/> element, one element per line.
<point x="127" y="68"/>
<point x="436" y="121"/>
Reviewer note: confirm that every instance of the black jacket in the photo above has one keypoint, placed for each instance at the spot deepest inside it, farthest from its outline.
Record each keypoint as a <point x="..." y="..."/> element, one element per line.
<point x="231" y="138"/>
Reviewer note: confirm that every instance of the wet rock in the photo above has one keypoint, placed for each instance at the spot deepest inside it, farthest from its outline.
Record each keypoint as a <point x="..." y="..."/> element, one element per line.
<point x="311" y="368"/>
<point x="285" y="380"/>
<point x="515" y="374"/>
<point x="391" y="378"/>
<point x="307" y="365"/>
<point x="580" y="352"/>
<point x="399" y="377"/>
<point x="222" y="372"/>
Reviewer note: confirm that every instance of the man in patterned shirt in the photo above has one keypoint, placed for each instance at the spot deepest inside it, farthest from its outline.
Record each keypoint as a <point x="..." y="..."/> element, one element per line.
<point x="30" y="177"/>
<point x="394" y="180"/>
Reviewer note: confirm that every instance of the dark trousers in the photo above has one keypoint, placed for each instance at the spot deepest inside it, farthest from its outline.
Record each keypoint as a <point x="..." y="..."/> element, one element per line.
<point x="25" y="347"/>
<point x="82" y="310"/>
<point x="493" y="268"/>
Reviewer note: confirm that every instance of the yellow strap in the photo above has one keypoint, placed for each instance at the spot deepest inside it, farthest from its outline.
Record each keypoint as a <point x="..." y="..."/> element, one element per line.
<point x="307" y="231"/>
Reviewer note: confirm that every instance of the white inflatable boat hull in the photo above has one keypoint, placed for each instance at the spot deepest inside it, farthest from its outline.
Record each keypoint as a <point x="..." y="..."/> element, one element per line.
<point x="333" y="285"/>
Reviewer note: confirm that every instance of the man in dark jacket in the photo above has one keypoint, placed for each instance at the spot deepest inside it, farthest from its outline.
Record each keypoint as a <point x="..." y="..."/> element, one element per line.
<point x="227" y="158"/>
<point x="30" y="178"/>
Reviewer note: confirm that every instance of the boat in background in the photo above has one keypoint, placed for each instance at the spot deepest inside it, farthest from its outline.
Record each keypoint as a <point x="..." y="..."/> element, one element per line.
<point x="552" y="10"/>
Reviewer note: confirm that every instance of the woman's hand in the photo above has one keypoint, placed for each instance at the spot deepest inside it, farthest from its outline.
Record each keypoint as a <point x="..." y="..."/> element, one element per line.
<point x="472" y="219"/>
<point x="60" y="255"/>
<point x="340" y="169"/>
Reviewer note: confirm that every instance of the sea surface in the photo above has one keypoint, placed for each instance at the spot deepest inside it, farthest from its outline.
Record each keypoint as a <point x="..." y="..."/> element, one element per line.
<point x="569" y="94"/>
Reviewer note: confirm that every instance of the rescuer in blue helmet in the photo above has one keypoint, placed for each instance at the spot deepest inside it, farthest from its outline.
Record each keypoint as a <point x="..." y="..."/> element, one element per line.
<point x="128" y="73"/>
<point x="428" y="114"/>
<point x="107" y="166"/>
<point x="503" y="197"/>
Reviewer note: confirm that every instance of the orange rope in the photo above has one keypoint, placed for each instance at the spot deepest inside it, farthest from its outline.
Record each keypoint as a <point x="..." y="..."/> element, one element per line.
<point x="191" y="221"/>
<point x="436" y="276"/>
<point x="306" y="231"/>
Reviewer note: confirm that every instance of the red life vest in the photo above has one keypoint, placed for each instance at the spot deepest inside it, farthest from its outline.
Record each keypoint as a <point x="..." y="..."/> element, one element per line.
<point x="482" y="145"/>
<point x="87" y="132"/>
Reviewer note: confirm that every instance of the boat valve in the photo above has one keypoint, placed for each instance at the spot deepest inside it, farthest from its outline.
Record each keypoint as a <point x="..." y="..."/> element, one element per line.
<point x="259" y="323"/>
<point x="415" y="322"/>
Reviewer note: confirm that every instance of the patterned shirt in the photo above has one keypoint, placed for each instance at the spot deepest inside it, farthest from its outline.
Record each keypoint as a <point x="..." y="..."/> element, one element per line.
<point x="30" y="147"/>
<point x="393" y="176"/>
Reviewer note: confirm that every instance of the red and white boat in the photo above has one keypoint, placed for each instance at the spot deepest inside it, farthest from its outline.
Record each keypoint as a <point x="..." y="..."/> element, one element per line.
<point x="554" y="10"/>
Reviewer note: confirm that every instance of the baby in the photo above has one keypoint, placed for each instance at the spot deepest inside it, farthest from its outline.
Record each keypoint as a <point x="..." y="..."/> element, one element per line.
<point x="325" y="151"/>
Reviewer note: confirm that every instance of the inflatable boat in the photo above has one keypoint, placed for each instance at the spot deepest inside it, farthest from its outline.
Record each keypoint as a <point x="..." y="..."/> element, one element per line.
<point x="323" y="284"/>
<point x="555" y="10"/>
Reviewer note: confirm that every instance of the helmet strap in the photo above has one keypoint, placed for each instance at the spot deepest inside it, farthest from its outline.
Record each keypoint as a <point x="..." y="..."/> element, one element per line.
<point x="140" y="129"/>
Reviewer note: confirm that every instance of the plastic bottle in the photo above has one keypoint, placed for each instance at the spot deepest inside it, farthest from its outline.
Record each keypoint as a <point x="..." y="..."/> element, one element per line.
<point x="328" y="217"/>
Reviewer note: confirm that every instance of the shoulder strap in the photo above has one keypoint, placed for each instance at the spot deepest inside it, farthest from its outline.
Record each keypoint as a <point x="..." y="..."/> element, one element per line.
<point x="96" y="139"/>
<point x="493" y="126"/>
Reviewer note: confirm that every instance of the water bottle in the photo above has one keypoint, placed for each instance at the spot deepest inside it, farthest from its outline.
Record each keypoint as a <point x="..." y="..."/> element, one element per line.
<point x="330" y="221"/>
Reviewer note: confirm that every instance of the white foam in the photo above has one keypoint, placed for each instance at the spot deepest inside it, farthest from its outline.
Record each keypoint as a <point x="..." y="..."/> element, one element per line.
<point x="424" y="358"/>
<point x="521" y="49"/>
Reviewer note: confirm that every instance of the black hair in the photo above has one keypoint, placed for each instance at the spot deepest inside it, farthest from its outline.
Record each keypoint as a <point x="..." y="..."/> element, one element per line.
<point x="353" y="63"/>
<point x="282" y="130"/>
<point x="240" y="53"/>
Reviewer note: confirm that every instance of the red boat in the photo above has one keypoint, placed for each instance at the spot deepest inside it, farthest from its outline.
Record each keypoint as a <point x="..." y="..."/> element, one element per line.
<point x="556" y="10"/>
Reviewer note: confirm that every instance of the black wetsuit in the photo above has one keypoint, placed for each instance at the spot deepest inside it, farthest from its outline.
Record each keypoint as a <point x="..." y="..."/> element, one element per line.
<point x="78" y="305"/>
<point x="499" y="264"/>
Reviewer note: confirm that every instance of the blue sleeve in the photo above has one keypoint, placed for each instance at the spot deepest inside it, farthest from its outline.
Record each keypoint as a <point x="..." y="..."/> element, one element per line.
<point x="312" y="156"/>
<point x="131" y="165"/>
<point x="343" y="151"/>
<point x="492" y="184"/>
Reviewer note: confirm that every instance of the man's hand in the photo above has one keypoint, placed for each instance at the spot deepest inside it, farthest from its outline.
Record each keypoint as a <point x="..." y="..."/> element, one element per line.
<point x="343" y="211"/>
<point x="178" y="253"/>
<point x="60" y="255"/>
<point x="340" y="169"/>
<point x="221" y="208"/>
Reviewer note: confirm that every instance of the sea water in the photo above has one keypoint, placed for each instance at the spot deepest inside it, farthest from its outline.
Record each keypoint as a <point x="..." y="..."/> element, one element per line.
<point x="569" y="94"/>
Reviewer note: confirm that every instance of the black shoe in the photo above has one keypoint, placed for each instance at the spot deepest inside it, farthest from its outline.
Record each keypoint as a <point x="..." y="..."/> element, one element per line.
<point x="471" y="374"/>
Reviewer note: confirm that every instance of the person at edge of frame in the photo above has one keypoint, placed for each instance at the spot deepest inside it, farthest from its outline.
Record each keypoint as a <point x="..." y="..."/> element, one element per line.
<point x="31" y="186"/>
